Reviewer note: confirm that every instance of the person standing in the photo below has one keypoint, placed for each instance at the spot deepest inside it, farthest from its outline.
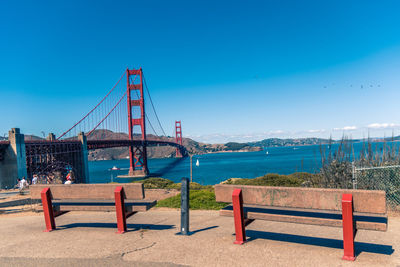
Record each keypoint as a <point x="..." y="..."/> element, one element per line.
<point x="23" y="183"/>
<point x="70" y="177"/>
<point x="35" y="179"/>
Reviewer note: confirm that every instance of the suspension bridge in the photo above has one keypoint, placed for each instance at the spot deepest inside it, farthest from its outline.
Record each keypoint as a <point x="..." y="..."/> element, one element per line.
<point x="124" y="117"/>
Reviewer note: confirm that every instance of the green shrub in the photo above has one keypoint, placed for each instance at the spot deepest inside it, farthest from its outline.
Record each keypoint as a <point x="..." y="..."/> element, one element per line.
<point x="193" y="186"/>
<point x="198" y="200"/>
<point x="162" y="183"/>
<point x="309" y="179"/>
<point x="270" y="179"/>
<point x="155" y="183"/>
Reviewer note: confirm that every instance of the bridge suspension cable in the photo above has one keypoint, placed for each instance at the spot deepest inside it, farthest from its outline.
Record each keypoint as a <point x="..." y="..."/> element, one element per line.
<point x="119" y="101"/>
<point x="108" y="118"/>
<point x="91" y="111"/>
<point x="152" y="104"/>
<point x="146" y="117"/>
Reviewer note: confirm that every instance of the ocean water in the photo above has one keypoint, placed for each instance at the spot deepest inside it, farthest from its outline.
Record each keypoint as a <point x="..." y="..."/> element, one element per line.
<point x="214" y="168"/>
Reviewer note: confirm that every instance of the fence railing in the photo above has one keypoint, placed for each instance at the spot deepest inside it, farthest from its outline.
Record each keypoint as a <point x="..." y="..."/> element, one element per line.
<point x="385" y="178"/>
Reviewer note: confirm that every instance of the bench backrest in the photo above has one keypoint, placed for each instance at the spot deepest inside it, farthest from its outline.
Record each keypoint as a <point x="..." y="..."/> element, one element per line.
<point x="368" y="201"/>
<point x="88" y="191"/>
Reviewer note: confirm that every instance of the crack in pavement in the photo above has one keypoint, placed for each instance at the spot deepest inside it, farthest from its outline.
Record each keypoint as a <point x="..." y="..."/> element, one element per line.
<point x="141" y="237"/>
<point x="137" y="249"/>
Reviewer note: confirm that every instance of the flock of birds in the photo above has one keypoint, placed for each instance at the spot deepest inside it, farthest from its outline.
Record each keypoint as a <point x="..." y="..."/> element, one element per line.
<point x="361" y="86"/>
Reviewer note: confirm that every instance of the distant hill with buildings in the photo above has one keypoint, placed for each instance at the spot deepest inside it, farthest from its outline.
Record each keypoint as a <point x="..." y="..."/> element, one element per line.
<point x="276" y="142"/>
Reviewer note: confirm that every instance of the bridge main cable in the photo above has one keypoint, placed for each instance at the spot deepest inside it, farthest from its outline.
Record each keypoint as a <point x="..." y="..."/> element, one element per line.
<point x="112" y="89"/>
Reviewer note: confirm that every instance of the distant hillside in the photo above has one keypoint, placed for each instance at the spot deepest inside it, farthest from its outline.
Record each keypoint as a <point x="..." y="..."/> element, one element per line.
<point x="275" y="142"/>
<point x="32" y="137"/>
<point x="192" y="146"/>
<point x="122" y="152"/>
<point x="26" y="137"/>
<point x="394" y="138"/>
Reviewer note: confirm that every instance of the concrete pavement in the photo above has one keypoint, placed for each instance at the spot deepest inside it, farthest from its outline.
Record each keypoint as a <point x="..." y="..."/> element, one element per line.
<point x="89" y="239"/>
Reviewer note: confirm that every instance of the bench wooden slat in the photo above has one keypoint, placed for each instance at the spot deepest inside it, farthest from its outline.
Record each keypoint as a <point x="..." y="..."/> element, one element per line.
<point x="367" y="201"/>
<point x="88" y="191"/>
<point x="377" y="223"/>
<point x="90" y="205"/>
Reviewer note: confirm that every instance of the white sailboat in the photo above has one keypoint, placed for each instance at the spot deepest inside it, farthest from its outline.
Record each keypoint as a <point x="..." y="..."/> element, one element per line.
<point x="197" y="163"/>
<point x="267" y="153"/>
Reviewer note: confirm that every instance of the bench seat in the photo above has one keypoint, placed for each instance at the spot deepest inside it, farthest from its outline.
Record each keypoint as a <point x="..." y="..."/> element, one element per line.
<point x="100" y="205"/>
<point x="348" y="209"/>
<point x="364" y="221"/>
<point x="123" y="199"/>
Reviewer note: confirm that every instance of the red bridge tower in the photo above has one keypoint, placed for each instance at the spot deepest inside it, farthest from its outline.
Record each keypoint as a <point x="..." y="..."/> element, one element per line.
<point x="137" y="155"/>
<point x="178" y="137"/>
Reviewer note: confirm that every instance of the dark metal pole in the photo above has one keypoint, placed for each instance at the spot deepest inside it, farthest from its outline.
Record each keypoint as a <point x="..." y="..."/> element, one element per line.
<point x="185" y="206"/>
<point x="191" y="169"/>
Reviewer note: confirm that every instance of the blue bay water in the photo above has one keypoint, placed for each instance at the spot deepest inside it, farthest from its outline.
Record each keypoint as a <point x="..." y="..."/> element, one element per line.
<point x="214" y="168"/>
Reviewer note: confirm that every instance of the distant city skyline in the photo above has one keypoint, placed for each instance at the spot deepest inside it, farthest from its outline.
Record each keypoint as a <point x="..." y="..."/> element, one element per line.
<point x="229" y="70"/>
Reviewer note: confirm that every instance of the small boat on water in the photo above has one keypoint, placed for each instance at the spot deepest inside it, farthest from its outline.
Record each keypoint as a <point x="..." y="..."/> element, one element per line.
<point x="115" y="168"/>
<point x="197" y="163"/>
<point x="266" y="153"/>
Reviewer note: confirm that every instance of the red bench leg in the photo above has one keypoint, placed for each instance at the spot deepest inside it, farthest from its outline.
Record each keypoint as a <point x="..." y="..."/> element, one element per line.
<point x="237" y="201"/>
<point x="348" y="227"/>
<point x="48" y="209"/>
<point x="120" y="209"/>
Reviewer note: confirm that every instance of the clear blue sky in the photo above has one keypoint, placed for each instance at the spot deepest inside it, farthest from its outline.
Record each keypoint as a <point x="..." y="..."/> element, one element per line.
<point x="230" y="70"/>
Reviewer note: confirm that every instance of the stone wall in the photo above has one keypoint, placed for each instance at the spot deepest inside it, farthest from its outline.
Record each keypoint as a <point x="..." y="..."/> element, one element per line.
<point x="13" y="166"/>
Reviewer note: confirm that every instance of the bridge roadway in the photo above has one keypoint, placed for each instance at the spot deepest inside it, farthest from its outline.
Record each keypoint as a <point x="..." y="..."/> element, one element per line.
<point x="96" y="144"/>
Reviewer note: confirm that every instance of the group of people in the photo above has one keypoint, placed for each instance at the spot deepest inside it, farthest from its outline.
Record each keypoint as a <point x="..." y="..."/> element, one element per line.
<point x="24" y="183"/>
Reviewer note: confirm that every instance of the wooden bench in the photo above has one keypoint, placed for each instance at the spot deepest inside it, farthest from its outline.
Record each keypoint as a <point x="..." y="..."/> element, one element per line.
<point x="348" y="209"/>
<point x="124" y="199"/>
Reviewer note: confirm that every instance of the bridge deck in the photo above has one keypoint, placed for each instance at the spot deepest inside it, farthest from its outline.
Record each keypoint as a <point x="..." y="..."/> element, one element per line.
<point x="97" y="144"/>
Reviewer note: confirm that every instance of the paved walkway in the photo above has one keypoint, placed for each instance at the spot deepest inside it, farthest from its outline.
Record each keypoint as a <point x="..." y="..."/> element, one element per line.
<point x="89" y="239"/>
<point x="4" y="194"/>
